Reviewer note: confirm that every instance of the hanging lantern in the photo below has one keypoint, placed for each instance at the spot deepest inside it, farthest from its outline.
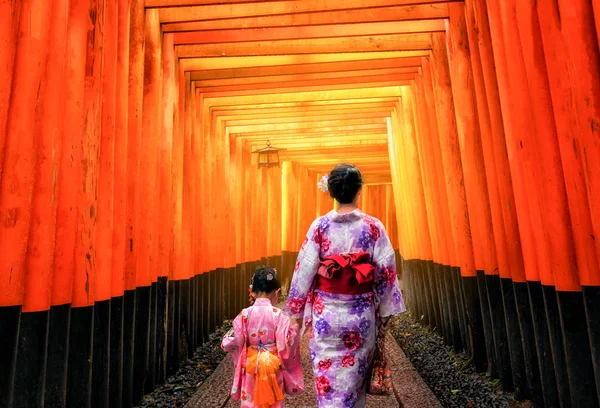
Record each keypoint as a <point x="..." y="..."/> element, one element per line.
<point x="268" y="156"/>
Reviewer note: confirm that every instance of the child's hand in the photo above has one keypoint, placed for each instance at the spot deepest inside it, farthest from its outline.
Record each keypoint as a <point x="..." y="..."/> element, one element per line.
<point x="296" y="322"/>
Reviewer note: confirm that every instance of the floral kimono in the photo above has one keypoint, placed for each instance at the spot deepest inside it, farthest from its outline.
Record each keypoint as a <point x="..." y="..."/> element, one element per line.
<point x="262" y="335"/>
<point x="344" y="280"/>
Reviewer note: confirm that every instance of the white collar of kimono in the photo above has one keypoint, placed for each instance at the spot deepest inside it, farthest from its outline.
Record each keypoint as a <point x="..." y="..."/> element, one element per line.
<point x="262" y="302"/>
<point x="354" y="215"/>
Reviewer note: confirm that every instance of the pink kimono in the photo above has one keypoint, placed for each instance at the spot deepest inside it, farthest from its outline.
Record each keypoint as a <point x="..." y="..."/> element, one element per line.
<point x="264" y="324"/>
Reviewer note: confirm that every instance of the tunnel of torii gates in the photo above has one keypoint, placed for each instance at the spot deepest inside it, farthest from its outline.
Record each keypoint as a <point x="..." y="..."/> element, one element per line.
<point x="133" y="211"/>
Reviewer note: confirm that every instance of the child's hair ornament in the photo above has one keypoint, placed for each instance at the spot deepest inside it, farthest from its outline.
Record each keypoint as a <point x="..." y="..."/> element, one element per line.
<point x="323" y="183"/>
<point x="269" y="276"/>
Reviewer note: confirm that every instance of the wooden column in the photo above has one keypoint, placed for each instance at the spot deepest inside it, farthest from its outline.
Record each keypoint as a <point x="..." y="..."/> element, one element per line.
<point x="515" y="106"/>
<point x="19" y="151"/>
<point x="575" y="104"/>
<point x="119" y="243"/>
<point x="166" y="177"/>
<point x="457" y="196"/>
<point x="500" y="191"/>
<point x="476" y="184"/>
<point x="68" y="182"/>
<point x="10" y="13"/>
<point x="136" y="78"/>
<point x="414" y="178"/>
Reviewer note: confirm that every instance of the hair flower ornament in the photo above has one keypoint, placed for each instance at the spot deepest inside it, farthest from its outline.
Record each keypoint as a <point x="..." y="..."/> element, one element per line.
<point x="269" y="277"/>
<point x="323" y="184"/>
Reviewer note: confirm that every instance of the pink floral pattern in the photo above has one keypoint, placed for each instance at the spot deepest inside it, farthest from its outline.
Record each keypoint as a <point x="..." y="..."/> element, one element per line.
<point x="352" y="340"/>
<point x="318" y="305"/>
<point x="388" y="275"/>
<point x="375" y="233"/>
<point x="323" y="385"/>
<point x="325" y="365"/>
<point x="348" y="360"/>
<point x="296" y="304"/>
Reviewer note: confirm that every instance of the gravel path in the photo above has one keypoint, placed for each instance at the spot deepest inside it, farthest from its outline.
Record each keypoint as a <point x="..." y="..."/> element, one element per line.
<point x="180" y="388"/>
<point x="453" y="382"/>
<point x="449" y="375"/>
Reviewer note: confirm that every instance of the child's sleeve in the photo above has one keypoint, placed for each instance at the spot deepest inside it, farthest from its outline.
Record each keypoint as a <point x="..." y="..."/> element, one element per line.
<point x="234" y="339"/>
<point x="234" y="343"/>
<point x="288" y="346"/>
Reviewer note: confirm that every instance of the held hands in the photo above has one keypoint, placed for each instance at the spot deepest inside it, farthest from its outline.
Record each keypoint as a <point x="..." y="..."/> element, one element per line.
<point x="384" y="325"/>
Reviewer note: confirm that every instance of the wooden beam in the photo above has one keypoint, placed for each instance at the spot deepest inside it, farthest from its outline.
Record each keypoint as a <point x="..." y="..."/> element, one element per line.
<point x="374" y="43"/>
<point x="379" y="156"/>
<point x="308" y="136"/>
<point x="359" y="80"/>
<point x="242" y="111"/>
<point x="304" y="125"/>
<point x="367" y="86"/>
<point x="268" y="8"/>
<point x="301" y="119"/>
<point x="324" y="141"/>
<point x="329" y="104"/>
<point x="202" y="64"/>
<point x="306" y="77"/>
<point x="364" y="168"/>
<point x="313" y="132"/>
<point x="307" y="32"/>
<point x="229" y="116"/>
<point x="304" y="96"/>
<point x="393" y="13"/>
<point x="304" y="69"/>
<point x="367" y="151"/>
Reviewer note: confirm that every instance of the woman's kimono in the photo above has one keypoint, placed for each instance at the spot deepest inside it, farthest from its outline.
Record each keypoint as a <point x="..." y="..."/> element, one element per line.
<point x="344" y="326"/>
<point x="263" y="324"/>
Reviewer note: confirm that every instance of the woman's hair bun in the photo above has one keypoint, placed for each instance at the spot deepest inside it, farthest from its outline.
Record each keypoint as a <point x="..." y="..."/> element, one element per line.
<point x="344" y="182"/>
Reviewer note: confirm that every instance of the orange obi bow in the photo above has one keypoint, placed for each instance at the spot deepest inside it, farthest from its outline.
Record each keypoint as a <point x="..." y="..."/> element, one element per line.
<point x="357" y="262"/>
<point x="264" y="363"/>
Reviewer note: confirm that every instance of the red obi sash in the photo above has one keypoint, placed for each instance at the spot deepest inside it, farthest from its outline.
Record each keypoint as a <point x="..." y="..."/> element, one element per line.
<point x="349" y="274"/>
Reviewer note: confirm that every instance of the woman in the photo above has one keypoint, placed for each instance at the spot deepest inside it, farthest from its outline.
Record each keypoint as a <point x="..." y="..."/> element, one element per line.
<point x="345" y="286"/>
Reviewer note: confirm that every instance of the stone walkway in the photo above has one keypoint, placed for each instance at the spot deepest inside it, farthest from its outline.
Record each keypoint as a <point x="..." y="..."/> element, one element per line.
<point x="409" y="389"/>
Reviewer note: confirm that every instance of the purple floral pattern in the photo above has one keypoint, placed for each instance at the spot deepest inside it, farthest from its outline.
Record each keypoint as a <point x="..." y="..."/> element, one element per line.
<point x="360" y="305"/>
<point x="322" y="327"/>
<point x="343" y="326"/>
<point x="365" y="241"/>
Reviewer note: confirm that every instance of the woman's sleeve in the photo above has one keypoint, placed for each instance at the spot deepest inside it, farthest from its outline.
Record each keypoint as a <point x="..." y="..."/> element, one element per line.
<point x="288" y="346"/>
<point x="387" y="288"/>
<point x="304" y="273"/>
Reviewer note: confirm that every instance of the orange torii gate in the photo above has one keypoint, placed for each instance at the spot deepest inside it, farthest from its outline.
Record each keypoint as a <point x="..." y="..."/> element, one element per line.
<point x="132" y="211"/>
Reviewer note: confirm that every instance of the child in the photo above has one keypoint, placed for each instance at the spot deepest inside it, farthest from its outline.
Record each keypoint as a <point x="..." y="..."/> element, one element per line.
<point x="265" y="348"/>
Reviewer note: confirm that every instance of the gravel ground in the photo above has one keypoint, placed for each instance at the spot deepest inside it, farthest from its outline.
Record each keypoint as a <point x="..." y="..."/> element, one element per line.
<point x="179" y="388"/>
<point x="449" y="375"/>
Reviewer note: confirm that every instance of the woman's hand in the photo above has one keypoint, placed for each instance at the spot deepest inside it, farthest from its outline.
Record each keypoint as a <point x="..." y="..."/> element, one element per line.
<point x="384" y="324"/>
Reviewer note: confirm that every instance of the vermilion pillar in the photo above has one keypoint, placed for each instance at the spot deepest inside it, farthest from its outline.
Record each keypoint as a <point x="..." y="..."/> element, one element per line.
<point x="19" y="149"/>
<point x="456" y="192"/>
<point x="500" y="192"/>
<point x="10" y="13"/>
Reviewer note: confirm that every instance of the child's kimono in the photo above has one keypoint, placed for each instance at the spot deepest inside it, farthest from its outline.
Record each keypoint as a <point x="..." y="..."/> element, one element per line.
<point x="262" y="336"/>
